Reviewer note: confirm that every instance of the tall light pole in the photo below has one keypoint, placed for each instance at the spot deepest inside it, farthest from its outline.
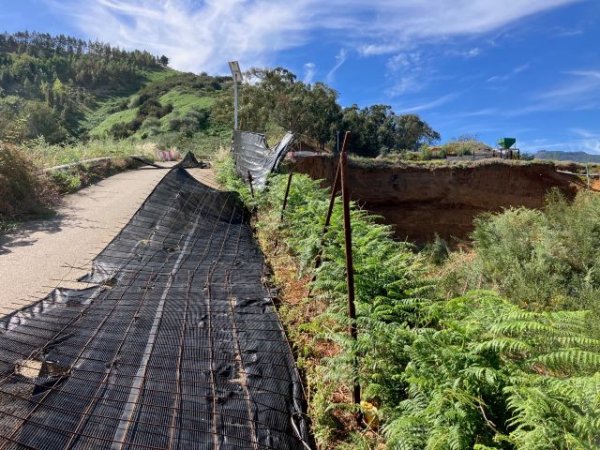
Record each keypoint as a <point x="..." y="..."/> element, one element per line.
<point x="234" y="66"/>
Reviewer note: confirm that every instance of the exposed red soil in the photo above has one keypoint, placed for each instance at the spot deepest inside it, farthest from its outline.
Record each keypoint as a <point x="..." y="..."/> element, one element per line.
<point x="423" y="200"/>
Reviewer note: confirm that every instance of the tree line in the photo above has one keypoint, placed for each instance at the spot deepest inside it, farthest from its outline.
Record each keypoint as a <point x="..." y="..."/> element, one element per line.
<point x="276" y="96"/>
<point x="48" y="82"/>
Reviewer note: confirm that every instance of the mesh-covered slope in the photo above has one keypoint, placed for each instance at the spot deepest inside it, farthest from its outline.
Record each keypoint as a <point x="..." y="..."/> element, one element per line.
<point x="178" y="346"/>
<point x="253" y="156"/>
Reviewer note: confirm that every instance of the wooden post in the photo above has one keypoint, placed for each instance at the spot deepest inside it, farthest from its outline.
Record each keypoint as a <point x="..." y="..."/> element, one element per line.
<point x="250" y="182"/>
<point x="350" y="274"/>
<point x="287" y="193"/>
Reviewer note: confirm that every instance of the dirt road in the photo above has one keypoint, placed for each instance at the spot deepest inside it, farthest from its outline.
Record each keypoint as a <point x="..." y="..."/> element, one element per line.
<point x="51" y="253"/>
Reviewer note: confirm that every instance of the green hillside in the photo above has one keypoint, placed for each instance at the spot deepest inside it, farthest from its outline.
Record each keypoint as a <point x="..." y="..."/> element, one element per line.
<point x="68" y="90"/>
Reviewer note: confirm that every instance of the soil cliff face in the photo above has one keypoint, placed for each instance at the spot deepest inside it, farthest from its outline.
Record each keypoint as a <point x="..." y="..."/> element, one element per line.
<point x="423" y="200"/>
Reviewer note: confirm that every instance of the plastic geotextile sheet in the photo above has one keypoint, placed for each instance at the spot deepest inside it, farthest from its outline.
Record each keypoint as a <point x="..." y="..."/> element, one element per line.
<point x="176" y="344"/>
<point x="253" y="156"/>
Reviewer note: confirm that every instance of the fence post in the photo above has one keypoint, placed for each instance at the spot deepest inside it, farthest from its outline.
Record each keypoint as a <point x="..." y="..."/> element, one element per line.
<point x="250" y="182"/>
<point x="587" y="174"/>
<point x="334" y="187"/>
<point x="287" y="193"/>
<point x="353" y="330"/>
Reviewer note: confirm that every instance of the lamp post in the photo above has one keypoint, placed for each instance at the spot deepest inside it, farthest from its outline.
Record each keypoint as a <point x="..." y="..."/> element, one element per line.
<point x="234" y="66"/>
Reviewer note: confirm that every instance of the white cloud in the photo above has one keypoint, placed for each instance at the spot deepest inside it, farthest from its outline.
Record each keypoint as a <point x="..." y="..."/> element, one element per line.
<point x="432" y="104"/>
<point x="517" y="70"/>
<point x="340" y="59"/>
<point x="582" y="141"/>
<point x="589" y="140"/>
<point x="467" y="54"/>
<point x="309" y="72"/>
<point x="478" y="113"/>
<point x="407" y="72"/>
<point x="203" y="35"/>
<point x="562" y="32"/>
<point x="580" y="91"/>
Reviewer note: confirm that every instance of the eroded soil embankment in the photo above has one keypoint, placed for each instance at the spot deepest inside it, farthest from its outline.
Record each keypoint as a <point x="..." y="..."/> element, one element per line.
<point x="423" y="200"/>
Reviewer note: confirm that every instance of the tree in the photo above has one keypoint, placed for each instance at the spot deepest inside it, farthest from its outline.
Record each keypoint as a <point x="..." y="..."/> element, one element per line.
<point x="378" y="130"/>
<point x="164" y="61"/>
<point x="412" y="132"/>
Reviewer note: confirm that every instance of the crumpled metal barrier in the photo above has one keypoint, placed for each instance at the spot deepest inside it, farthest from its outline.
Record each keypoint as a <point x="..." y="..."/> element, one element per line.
<point x="253" y="156"/>
<point x="179" y="345"/>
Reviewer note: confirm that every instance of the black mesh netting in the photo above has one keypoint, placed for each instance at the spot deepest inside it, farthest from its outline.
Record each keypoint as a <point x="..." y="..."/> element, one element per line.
<point x="253" y="156"/>
<point x="178" y="345"/>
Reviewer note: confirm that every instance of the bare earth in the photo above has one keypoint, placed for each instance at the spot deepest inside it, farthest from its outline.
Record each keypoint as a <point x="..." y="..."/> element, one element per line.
<point x="53" y="253"/>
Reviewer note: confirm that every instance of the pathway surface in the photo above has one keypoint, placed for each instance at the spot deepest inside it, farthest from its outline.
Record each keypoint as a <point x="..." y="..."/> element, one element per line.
<point x="51" y="253"/>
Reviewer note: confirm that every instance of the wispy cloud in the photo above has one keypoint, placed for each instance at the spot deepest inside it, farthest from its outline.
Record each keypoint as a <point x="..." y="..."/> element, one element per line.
<point x="203" y="35"/>
<point x="196" y="36"/>
<point x="467" y="54"/>
<point x="431" y="104"/>
<point x="580" y="91"/>
<point x="517" y="70"/>
<point x="477" y="113"/>
<point x="562" y="32"/>
<point x="309" y="72"/>
<point x="406" y="71"/>
<point x="340" y="59"/>
<point x="589" y="140"/>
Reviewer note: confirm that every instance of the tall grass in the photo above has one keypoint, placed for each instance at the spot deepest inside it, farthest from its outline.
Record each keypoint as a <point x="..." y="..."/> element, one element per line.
<point x="24" y="191"/>
<point x="46" y="155"/>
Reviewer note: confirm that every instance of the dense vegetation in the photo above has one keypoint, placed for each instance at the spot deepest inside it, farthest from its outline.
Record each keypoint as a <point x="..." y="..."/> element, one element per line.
<point x="49" y="83"/>
<point x="482" y="369"/>
<point x="66" y="90"/>
<point x="277" y="98"/>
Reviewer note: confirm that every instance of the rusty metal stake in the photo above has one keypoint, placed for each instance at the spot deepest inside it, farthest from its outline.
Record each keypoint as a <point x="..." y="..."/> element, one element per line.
<point x="250" y="181"/>
<point x="334" y="187"/>
<point x="287" y="193"/>
<point x="350" y="275"/>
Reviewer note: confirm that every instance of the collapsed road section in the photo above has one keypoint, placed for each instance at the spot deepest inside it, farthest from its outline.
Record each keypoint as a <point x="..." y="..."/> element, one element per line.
<point x="175" y="344"/>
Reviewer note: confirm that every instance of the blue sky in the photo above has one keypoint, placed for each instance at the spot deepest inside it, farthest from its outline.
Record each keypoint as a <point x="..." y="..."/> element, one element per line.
<point x="529" y="69"/>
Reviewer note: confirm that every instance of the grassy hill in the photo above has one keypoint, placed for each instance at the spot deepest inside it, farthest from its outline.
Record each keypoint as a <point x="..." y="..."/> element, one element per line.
<point x="69" y="91"/>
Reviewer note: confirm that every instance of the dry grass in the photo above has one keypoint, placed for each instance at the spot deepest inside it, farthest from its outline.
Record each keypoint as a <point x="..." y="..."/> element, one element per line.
<point x="25" y="192"/>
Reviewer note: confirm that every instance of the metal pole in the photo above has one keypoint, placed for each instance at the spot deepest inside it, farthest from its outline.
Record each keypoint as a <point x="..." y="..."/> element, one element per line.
<point x="287" y="192"/>
<point x="235" y="103"/>
<point x="334" y="188"/>
<point x="587" y="174"/>
<point x="350" y="274"/>
<point x="250" y="182"/>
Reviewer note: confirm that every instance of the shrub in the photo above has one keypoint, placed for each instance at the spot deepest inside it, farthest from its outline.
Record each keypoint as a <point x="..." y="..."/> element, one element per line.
<point x="24" y="191"/>
<point x="539" y="259"/>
